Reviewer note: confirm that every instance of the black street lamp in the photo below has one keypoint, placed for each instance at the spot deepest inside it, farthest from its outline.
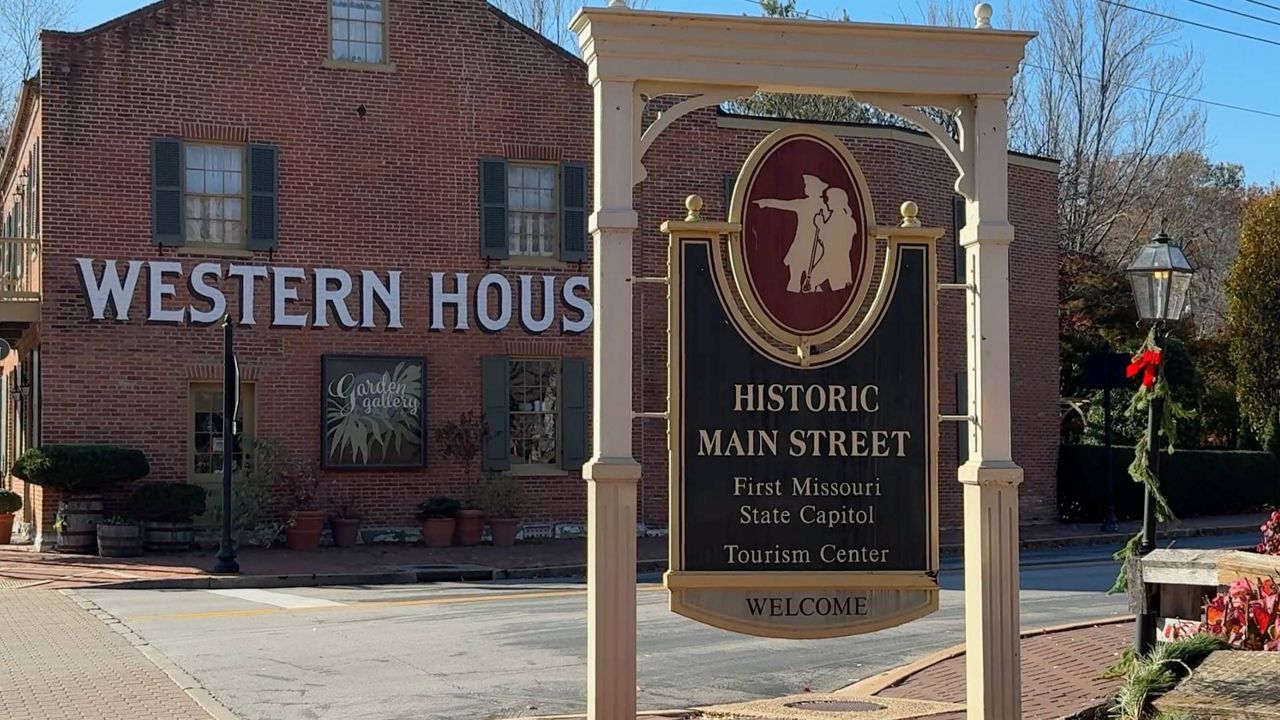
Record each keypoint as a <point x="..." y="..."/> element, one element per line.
<point x="1161" y="280"/>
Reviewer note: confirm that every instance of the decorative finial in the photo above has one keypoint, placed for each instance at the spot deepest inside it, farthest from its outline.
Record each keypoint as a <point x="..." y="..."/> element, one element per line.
<point x="910" y="212"/>
<point x="618" y="3"/>
<point x="693" y="204"/>
<point x="982" y="14"/>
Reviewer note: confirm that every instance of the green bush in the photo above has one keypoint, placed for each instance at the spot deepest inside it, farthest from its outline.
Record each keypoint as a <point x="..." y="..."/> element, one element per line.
<point x="10" y="502"/>
<point x="80" y="468"/>
<point x="438" y="507"/>
<point x="500" y="496"/>
<point x="168" y="502"/>
<point x="1196" y="482"/>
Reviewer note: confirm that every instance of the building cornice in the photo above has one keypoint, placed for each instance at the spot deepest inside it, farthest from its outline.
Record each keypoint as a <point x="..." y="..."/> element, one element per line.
<point x="23" y="121"/>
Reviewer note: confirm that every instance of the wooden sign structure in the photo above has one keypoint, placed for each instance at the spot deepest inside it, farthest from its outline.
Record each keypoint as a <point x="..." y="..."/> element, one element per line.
<point x="803" y="448"/>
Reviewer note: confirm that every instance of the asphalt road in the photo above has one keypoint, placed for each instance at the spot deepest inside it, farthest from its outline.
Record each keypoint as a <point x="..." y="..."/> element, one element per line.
<point x="502" y="650"/>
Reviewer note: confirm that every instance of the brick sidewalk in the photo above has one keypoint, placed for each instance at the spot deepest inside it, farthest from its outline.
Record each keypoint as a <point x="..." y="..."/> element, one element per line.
<point x="1060" y="673"/>
<point x="62" y="663"/>
<point x="1061" y="676"/>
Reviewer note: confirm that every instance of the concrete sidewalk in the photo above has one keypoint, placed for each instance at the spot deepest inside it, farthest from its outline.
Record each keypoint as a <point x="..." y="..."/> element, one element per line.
<point x="384" y="564"/>
<point x="61" y="662"/>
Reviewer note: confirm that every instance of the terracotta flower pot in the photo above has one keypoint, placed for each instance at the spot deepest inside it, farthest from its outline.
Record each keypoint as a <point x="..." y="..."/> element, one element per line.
<point x="470" y="527"/>
<point x="304" y="529"/>
<point x="346" y="531"/>
<point x="504" y="531"/>
<point x="6" y="528"/>
<point x="438" y="532"/>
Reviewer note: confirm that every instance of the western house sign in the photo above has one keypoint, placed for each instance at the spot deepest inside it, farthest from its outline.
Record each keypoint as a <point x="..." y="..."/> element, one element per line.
<point x="803" y="447"/>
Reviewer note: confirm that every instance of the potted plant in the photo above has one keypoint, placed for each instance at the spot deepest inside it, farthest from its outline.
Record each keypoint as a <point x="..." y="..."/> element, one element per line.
<point x="438" y="519"/>
<point x="305" y="523"/>
<point x="10" y="503"/>
<point x="119" y="536"/>
<point x="500" y="496"/>
<point x="345" y="523"/>
<point x="461" y="441"/>
<point x="80" y="472"/>
<point x="167" y="510"/>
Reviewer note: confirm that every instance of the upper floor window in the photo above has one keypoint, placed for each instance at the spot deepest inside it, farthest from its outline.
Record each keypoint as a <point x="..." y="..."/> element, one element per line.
<point x="358" y="31"/>
<point x="531" y="210"/>
<point x="214" y="195"/>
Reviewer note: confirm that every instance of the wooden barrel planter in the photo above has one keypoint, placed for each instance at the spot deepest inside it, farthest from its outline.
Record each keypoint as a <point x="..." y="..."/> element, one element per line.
<point x="77" y="525"/>
<point x="119" y="540"/>
<point x="169" y="536"/>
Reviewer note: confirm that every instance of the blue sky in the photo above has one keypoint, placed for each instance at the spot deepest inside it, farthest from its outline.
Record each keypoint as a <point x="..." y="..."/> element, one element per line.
<point x="1236" y="71"/>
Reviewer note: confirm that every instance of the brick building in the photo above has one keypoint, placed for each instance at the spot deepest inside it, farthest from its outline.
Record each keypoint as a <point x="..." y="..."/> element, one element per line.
<point x="382" y="186"/>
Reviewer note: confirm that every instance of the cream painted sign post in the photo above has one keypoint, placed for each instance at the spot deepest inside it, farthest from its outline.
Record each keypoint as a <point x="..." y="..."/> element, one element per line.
<point x="803" y="447"/>
<point x="634" y="56"/>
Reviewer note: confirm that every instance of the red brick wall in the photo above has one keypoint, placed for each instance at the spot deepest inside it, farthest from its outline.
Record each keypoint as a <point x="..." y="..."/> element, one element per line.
<point x="397" y="189"/>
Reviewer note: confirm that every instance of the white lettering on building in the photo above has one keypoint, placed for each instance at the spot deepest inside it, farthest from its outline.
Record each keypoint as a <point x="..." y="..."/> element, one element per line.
<point x="326" y="300"/>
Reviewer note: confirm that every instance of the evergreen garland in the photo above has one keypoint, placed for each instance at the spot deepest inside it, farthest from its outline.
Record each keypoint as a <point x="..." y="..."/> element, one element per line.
<point x="1149" y="361"/>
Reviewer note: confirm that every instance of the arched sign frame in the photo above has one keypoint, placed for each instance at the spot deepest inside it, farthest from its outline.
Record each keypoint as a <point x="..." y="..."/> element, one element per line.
<point x="867" y="235"/>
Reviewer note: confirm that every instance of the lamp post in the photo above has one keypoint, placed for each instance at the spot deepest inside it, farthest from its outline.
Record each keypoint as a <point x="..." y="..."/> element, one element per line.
<point x="226" y="558"/>
<point x="1161" y="278"/>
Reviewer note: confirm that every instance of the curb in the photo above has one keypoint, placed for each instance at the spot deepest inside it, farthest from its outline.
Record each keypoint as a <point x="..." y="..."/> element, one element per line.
<point x="889" y="678"/>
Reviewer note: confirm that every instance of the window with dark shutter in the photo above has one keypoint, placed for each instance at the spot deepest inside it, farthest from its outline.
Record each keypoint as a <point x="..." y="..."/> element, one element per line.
<point x="573" y="213"/>
<point x="495" y="378"/>
<point x="264" y="215"/>
<point x="166" y="192"/>
<point x="573" y="413"/>
<point x="730" y="182"/>
<point x="957" y="222"/>
<point x="493" y="209"/>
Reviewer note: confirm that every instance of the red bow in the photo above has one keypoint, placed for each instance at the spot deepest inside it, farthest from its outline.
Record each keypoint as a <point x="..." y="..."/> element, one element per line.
<point x="1148" y="363"/>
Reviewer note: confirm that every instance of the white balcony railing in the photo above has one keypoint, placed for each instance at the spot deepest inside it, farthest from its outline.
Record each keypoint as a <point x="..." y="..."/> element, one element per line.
<point x="19" y="269"/>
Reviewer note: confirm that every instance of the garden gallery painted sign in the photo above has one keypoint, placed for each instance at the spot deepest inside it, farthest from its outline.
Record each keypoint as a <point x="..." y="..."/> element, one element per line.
<point x="804" y="481"/>
<point x="490" y="301"/>
<point x="374" y="411"/>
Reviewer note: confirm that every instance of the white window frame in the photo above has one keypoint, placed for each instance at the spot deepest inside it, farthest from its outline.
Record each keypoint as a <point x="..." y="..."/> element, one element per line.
<point x="382" y="42"/>
<point x="548" y="465"/>
<point x="516" y="212"/>
<point x="241" y="240"/>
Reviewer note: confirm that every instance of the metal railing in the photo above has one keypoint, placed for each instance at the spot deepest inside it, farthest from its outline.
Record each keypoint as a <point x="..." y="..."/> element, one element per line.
<point x="19" y="268"/>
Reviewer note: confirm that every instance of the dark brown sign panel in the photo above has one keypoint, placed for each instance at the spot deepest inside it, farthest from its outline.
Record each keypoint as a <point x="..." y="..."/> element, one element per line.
<point x="804" y="496"/>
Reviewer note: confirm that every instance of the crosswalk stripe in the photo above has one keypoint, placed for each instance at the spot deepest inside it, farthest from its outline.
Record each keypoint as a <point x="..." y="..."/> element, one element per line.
<point x="278" y="599"/>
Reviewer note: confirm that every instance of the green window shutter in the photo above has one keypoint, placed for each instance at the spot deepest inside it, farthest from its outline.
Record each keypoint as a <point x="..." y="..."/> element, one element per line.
<point x="166" y="192"/>
<point x="573" y="413"/>
<point x="264" y="182"/>
<point x="957" y="222"/>
<point x="495" y="376"/>
<point x="730" y="182"/>
<point x="493" y="209"/>
<point x="573" y="213"/>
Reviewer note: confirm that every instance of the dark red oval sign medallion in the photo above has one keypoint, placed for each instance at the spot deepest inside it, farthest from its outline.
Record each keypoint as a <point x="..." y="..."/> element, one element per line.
<point x="804" y="233"/>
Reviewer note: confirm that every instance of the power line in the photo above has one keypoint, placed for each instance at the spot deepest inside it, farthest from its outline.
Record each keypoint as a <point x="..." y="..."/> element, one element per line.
<point x="1192" y="22"/>
<point x="1178" y="96"/>
<point x="1235" y="12"/>
<point x="1263" y="4"/>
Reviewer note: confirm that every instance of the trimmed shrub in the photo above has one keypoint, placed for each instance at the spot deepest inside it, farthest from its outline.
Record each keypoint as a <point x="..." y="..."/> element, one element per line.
<point x="10" y="502"/>
<point x="438" y="507"/>
<point x="168" y="502"/>
<point x="80" y="468"/>
<point x="1196" y="482"/>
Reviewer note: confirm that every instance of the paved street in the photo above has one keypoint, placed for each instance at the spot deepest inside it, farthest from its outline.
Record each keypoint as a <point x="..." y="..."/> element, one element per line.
<point x="502" y="650"/>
